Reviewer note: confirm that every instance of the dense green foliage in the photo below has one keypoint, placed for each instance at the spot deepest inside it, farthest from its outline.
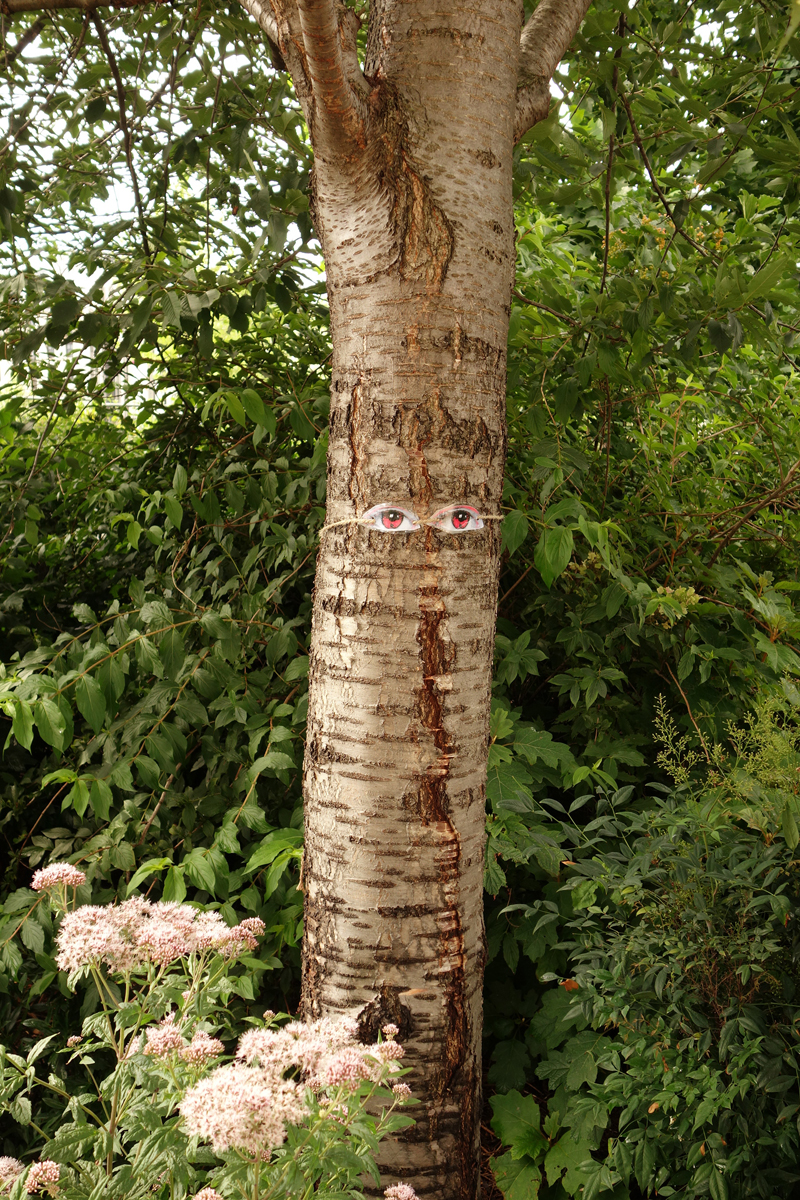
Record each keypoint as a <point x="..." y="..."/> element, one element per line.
<point x="162" y="480"/>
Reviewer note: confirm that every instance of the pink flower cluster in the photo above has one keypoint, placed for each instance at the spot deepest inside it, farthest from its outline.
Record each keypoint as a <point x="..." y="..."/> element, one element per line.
<point x="208" y="1194"/>
<point x="165" y="1039"/>
<point x="58" y="873"/>
<point x="238" y="1107"/>
<point x="247" y="1105"/>
<point x="126" y="937"/>
<point x="400" y="1191"/>
<point x="40" y="1174"/>
<point x="202" y="1048"/>
<point x="10" y="1170"/>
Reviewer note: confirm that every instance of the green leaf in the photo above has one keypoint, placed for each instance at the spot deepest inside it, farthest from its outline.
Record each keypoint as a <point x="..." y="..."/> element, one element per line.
<point x="179" y="480"/>
<point x="101" y="798"/>
<point x="254" y="406"/>
<point x="718" y="1185"/>
<point x="517" y="1180"/>
<point x="765" y="279"/>
<point x="515" y="531"/>
<point x="50" y="723"/>
<point x="77" y="798"/>
<point x="22" y="724"/>
<point x="789" y="826"/>
<point x="199" y="869"/>
<point x="517" y="1122"/>
<point x="564" y="1161"/>
<point x="172" y="652"/>
<point x="235" y="408"/>
<point x="174" y="511"/>
<point x="133" y="533"/>
<point x="151" y="867"/>
<point x="91" y="702"/>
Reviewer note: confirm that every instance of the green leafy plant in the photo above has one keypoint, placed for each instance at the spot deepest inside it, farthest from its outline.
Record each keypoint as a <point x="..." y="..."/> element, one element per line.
<point x="128" y="1106"/>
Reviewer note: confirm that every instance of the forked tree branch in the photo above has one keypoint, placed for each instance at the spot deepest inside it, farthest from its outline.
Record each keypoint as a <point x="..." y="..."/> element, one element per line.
<point x="544" y="42"/>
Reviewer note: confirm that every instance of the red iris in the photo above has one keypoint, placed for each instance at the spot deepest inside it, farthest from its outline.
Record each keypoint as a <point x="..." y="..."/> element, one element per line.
<point x="392" y="519"/>
<point x="460" y="519"/>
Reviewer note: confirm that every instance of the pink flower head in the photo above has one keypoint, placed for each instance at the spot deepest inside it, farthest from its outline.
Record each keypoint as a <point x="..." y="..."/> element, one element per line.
<point x="75" y="1040"/>
<point x="401" y="1090"/>
<point x="390" y="1032"/>
<point x="128" y="936"/>
<point x="50" y="877"/>
<point x="41" y="1174"/>
<point x="202" y="1048"/>
<point x="208" y="1194"/>
<point x="347" y="1067"/>
<point x="242" y="1108"/>
<point x="400" y="1191"/>
<point x="163" y="1039"/>
<point x="10" y="1170"/>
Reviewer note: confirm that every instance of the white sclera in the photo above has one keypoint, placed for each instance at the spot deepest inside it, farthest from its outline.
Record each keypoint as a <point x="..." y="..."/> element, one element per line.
<point x="391" y="518"/>
<point x="456" y="518"/>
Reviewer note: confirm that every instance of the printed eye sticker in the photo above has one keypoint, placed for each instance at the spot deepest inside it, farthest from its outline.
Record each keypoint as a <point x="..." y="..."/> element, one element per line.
<point x="390" y="518"/>
<point x="456" y="518"/>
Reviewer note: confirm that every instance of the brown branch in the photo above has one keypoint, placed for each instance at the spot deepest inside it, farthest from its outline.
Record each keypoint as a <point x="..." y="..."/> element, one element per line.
<point x="544" y="42"/>
<point x="337" y="85"/>
<point x="262" y="13"/>
<point x="124" y="126"/>
<point x="775" y="494"/>
<point x="30" y="35"/>
<point x="10" y="8"/>
<point x="637" y="137"/>
<point x="553" y="312"/>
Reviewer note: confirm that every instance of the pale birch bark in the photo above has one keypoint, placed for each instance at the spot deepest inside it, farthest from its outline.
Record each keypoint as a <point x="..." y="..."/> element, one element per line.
<point x="412" y="201"/>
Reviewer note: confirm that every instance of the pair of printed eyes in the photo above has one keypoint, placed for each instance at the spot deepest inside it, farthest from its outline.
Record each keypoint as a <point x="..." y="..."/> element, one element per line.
<point x="390" y="518"/>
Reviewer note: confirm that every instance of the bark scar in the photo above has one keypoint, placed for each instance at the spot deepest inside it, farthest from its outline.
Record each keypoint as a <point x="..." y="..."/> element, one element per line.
<point x="438" y="658"/>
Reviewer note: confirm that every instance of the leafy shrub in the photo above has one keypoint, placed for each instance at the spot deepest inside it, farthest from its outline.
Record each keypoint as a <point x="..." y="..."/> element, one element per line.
<point x="124" y="1109"/>
<point x="670" y="1048"/>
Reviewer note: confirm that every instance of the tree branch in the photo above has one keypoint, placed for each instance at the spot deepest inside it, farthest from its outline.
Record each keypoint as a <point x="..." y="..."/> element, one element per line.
<point x="544" y="42"/>
<point x="10" y="8"/>
<point x="124" y="126"/>
<point x="30" y="35"/>
<point x="338" y="87"/>
<point x="262" y="13"/>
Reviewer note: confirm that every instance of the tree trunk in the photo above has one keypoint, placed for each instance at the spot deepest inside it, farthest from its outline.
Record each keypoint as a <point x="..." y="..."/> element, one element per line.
<point x="412" y="202"/>
<point x="403" y="631"/>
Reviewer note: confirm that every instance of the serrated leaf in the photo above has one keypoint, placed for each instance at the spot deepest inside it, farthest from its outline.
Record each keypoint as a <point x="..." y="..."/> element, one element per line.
<point x="50" y="722"/>
<point x="517" y="1122"/>
<point x="172" y="652"/>
<point x="91" y="702"/>
<point x="22" y="724"/>
<point x="515" y="530"/>
<point x="151" y="867"/>
<point x="200" y="870"/>
<point x="517" y="1180"/>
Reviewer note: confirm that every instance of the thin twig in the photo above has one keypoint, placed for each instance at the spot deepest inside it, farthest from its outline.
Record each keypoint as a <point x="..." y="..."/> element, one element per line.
<point x="124" y="126"/>
<point x="691" y="714"/>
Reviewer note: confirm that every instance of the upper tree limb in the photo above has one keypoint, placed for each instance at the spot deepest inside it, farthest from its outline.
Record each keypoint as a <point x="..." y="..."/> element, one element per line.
<point x="544" y="41"/>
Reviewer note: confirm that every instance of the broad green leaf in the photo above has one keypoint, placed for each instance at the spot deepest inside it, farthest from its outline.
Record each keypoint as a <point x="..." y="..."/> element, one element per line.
<point x="50" y="722"/>
<point x="517" y="1180"/>
<point x="22" y="724"/>
<point x="90" y="701"/>
<point x="172" y="652"/>
<point x="515" y="530"/>
<point x="517" y="1122"/>
<point x="151" y="867"/>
